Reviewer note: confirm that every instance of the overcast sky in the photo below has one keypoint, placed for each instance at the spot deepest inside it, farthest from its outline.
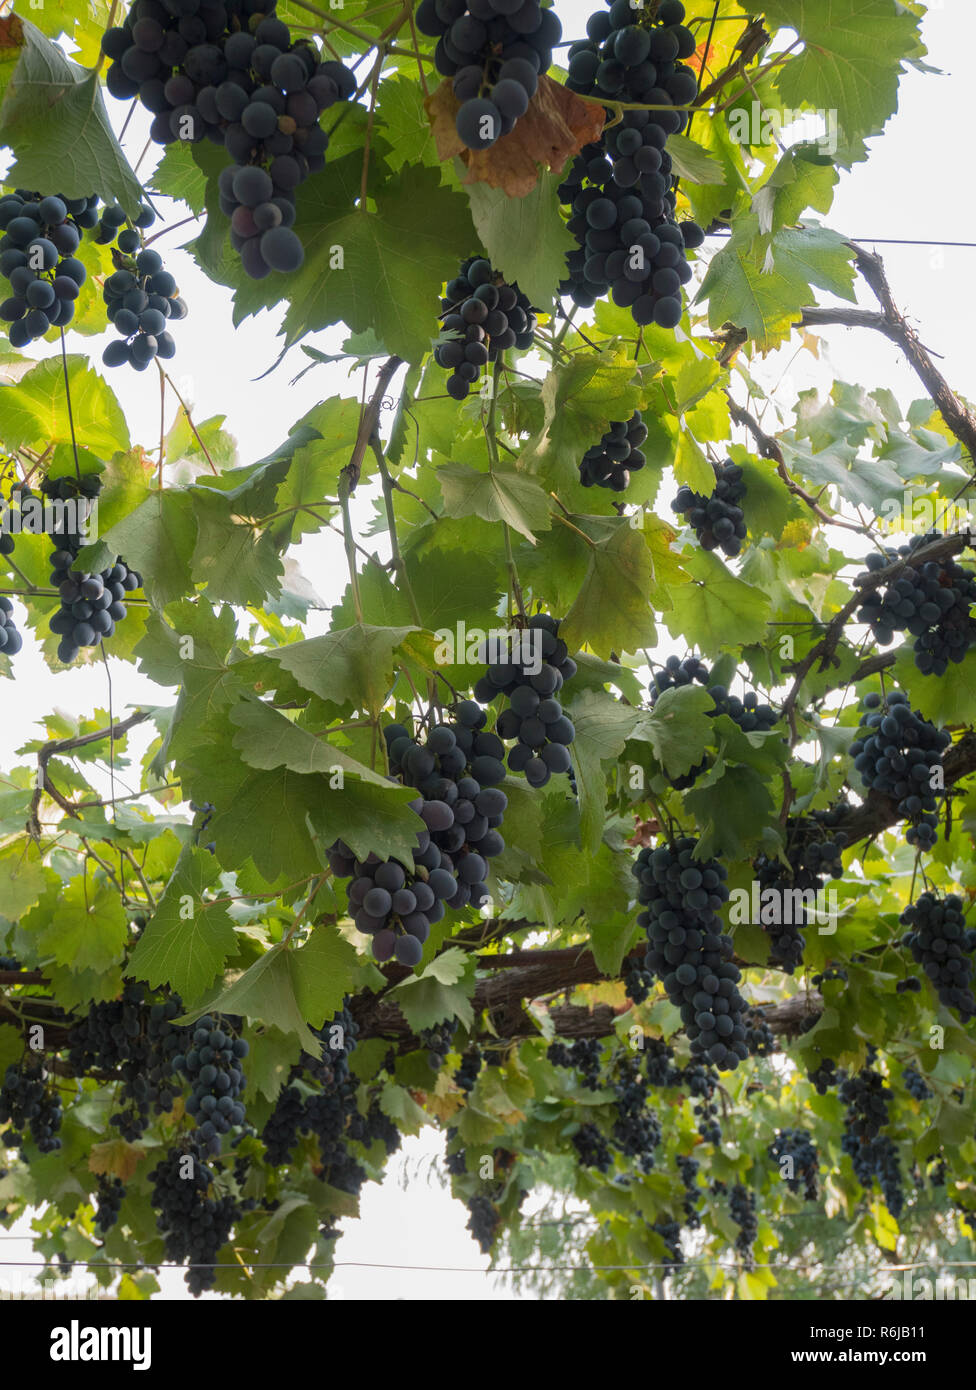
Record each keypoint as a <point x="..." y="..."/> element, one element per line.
<point x="916" y="185"/>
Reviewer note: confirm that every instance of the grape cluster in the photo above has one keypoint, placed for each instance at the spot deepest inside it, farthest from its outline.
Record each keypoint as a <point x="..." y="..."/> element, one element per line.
<point x="483" y="1221"/>
<point x="37" y="256"/>
<point x="437" y="1041"/>
<point x="638" y="979"/>
<point x="825" y="1076"/>
<point x="911" y="985"/>
<point x="943" y="946"/>
<point x="931" y="601"/>
<point x="10" y="963"/>
<point x="137" y="1040"/>
<point x="481" y="317"/>
<point x="141" y="297"/>
<point x="659" y="1065"/>
<point x="916" y="1085"/>
<point x="610" y="463"/>
<point x="228" y="71"/>
<point x="809" y="861"/>
<point x="750" y="715"/>
<point x="470" y="1069"/>
<point x="325" y="1114"/>
<point x="583" y="1054"/>
<point x="897" y="753"/>
<point x="742" y="1209"/>
<point x="636" y="1130"/>
<point x="622" y="189"/>
<point x="109" y="1194"/>
<point x="718" y="519"/>
<point x="760" y="1038"/>
<point x="867" y="1098"/>
<point x="670" y="1233"/>
<point x="91" y="603"/>
<point x="592" y="1149"/>
<point x="28" y="1104"/>
<point x="393" y="906"/>
<point x="495" y="50"/>
<point x="194" y="1224"/>
<point x="701" y="1083"/>
<point x="10" y="639"/>
<point x="212" y="1065"/>
<point x="688" y="1172"/>
<point x="796" y="1146"/>
<point x="531" y="671"/>
<point x="688" y="950"/>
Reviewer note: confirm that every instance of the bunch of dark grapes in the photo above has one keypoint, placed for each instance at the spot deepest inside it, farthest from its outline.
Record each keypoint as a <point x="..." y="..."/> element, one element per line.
<point x="37" y="257"/>
<point x="457" y="770"/>
<point x="867" y="1098"/>
<point x="470" y="1069"/>
<point x="481" y="317"/>
<point x="911" y="985"/>
<point x="483" y="1221"/>
<point x="531" y="670"/>
<point x="701" y="1083"/>
<point x="760" y="1038"/>
<point x="931" y="601"/>
<point x="943" y="946"/>
<point x="688" y="1172"/>
<point x="375" y="1126"/>
<point x="193" y="1223"/>
<point x="636" y="1130"/>
<point x="809" y="860"/>
<point x="109" y="1194"/>
<point x="592" y="1149"/>
<point x="718" y="519"/>
<point x="899" y="754"/>
<point x="638" y="980"/>
<point x="281" y="1130"/>
<point x="610" y="463"/>
<point x="670" y="1233"/>
<point x="688" y="950"/>
<point x="825" y="1076"/>
<point x="659" y="1066"/>
<point x="832" y="972"/>
<point x="10" y="963"/>
<point x="437" y="1041"/>
<point x="228" y="71"/>
<point x="137" y="1040"/>
<point x="394" y="906"/>
<point x="496" y="51"/>
<point x="91" y="603"/>
<point x="212" y="1065"/>
<point x="454" y="1160"/>
<point x="750" y="715"/>
<point x="583" y="1054"/>
<point x="29" y="1104"/>
<point x="622" y="189"/>
<point x="795" y="1155"/>
<point x="916" y="1085"/>
<point x="141" y="297"/>
<point x="742" y="1209"/>
<point x="10" y="639"/>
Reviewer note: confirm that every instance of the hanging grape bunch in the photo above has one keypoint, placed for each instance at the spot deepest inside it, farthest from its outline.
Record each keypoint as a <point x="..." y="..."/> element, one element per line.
<point x="689" y="952"/>
<point x="212" y="1064"/>
<point x="621" y="190"/>
<point x="899" y="754"/>
<point x="10" y="639"/>
<point x="140" y="296"/>
<point x="718" y="519"/>
<point x="942" y="944"/>
<point x="457" y="770"/>
<point x="531" y="671"/>
<point x="932" y="602"/>
<point x="483" y="316"/>
<point x="611" y="462"/>
<point x="231" y="74"/>
<point x="91" y="604"/>
<point x="41" y="235"/>
<point x="496" y="51"/>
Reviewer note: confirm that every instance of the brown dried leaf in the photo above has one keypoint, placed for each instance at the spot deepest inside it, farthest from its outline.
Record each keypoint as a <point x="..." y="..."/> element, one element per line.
<point x="116" y="1157"/>
<point x="644" y="832"/>
<point x="556" y="126"/>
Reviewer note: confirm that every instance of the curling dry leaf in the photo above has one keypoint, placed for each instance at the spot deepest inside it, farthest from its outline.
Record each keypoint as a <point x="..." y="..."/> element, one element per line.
<point x="555" y="128"/>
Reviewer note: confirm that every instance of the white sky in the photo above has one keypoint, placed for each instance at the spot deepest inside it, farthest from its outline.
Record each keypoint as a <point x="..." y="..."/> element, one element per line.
<point x="916" y="185"/>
